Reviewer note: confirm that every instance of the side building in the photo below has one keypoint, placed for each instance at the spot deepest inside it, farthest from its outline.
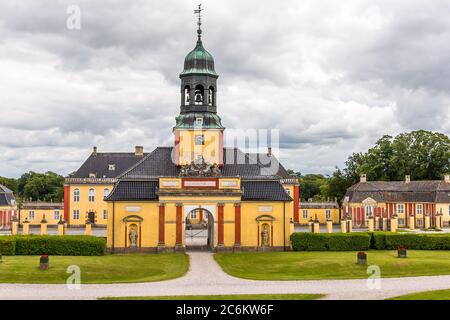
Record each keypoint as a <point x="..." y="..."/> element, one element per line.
<point x="86" y="188"/>
<point x="417" y="204"/>
<point x="322" y="211"/>
<point x="35" y="211"/>
<point x="8" y="207"/>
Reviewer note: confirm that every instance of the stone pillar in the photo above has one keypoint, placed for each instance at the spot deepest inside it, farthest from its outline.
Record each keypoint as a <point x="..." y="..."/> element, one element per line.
<point x="371" y="224"/>
<point x="88" y="230"/>
<point x="14" y="226"/>
<point x="394" y="223"/>
<point x="43" y="226"/>
<point x="61" y="228"/>
<point x="237" y="225"/>
<point x="438" y="221"/>
<point x="412" y="222"/>
<point x="310" y="225"/>
<point x="162" y="227"/>
<point x="220" y="234"/>
<point x="316" y="227"/>
<point x="384" y="224"/>
<point x="427" y="221"/>
<point x="349" y="225"/>
<point x="344" y="226"/>
<point x="329" y="226"/>
<point x="26" y="227"/>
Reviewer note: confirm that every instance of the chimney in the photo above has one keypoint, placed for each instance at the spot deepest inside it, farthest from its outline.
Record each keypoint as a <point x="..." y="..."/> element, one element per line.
<point x="363" y="178"/>
<point x="407" y="178"/>
<point x="447" y="178"/>
<point x="269" y="151"/>
<point x="94" y="151"/>
<point x="139" y="151"/>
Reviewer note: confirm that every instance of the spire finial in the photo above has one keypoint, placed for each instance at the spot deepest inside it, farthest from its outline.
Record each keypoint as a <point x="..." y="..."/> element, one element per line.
<point x="199" y="22"/>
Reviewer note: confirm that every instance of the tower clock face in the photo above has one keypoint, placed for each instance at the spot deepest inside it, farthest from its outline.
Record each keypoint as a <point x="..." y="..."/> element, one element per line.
<point x="199" y="139"/>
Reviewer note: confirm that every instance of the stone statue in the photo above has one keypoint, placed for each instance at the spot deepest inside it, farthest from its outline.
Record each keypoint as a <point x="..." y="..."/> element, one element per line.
<point x="265" y="236"/>
<point x="133" y="238"/>
<point x="200" y="168"/>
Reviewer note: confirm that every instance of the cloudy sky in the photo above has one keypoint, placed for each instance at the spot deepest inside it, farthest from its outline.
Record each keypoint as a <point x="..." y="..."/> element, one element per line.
<point x="332" y="76"/>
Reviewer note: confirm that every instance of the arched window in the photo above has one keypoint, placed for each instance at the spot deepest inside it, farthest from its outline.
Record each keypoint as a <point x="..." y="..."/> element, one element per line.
<point x="91" y="195"/>
<point x="105" y="193"/>
<point x="187" y="90"/>
<point x="76" y="195"/>
<point x="211" y="96"/>
<point x="198" y="94"/>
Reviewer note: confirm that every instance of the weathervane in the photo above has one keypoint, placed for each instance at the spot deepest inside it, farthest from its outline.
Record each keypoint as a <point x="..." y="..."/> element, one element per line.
<point x="199" y="23"/>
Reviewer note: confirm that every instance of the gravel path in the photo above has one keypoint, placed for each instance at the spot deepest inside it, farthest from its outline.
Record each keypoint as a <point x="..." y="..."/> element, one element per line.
<point x="205" y="277"/>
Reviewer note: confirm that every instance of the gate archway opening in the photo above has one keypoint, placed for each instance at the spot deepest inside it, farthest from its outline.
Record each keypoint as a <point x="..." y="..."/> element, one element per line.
<point x="199" y="230"/>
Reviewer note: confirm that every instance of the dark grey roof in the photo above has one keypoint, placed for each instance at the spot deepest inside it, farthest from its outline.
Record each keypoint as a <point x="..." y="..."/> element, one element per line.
<point x="159" y="163"/>
<point x="134" y="191"/>
<point x="99" y="164"/>
<point x="400" y="191"/>
<point x="318" y="205"/>
<point x="264" y="191"/>
<point x="6" y="196"/>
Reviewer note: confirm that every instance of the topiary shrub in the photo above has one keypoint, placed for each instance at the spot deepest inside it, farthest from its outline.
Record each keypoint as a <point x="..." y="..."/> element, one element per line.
<point x="60" y="245"/>
<point x="302" y="241"/>
<point x="7" y="246"/>
<point x="418" y="241"/>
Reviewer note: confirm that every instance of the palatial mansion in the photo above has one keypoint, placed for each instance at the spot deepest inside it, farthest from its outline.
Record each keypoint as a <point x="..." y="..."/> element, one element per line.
<point x="151" y="201"/>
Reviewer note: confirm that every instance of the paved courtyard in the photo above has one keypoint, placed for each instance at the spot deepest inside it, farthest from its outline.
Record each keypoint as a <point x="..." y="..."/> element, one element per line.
<point x="205" y="277"/>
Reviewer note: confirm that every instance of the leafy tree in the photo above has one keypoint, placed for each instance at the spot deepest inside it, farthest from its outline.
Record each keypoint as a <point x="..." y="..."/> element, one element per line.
<point x="10" y="183"/>
<point x="41" y="186"/>
<point x="311" y="186"/>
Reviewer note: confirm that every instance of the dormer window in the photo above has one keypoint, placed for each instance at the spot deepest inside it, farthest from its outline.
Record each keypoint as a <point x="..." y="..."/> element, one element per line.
<point x="112" y="167"/>
<point x="199" y="121"/>
<point x="92" y="175"/>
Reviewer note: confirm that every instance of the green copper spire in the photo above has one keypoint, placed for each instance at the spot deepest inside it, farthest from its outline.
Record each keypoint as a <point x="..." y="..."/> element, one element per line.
<point x="199" y="61"/>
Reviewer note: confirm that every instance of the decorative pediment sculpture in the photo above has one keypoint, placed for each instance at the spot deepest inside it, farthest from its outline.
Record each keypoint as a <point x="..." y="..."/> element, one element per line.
<point x="200" y="169"/>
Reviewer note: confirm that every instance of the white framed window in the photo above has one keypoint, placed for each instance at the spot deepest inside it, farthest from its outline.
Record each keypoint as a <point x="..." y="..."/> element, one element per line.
<point x="328" y="213"/>
<point x="111" y="167"/>
<point x="105" y="214"/>
<point x="288" y="191"/>
<point x="56" y="214"/>
<point x="369" y="211"/>
<point x="76" y="195"/>
<point x="31" y="215"/>
<point x="419" y="208"/>
<point x="105" y="192"/>
<point x="199" y="121"/>
<point x="305" y="214"/>
<point x="194" y="214"/>
<point x="401" y="222"/>
<point x="420" y="222"/>
<point x="449" y="210"/>
<point x="91" y="196"/>
<point x="76" y="214"/>
<point x="400" y="208"/>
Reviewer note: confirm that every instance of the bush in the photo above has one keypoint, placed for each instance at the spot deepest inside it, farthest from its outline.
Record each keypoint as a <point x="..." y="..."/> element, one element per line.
<point x="417" y="241"/>
<point x="7" y="246"/>
<point x="60" y="245"/>
<point x="303" y="241"/>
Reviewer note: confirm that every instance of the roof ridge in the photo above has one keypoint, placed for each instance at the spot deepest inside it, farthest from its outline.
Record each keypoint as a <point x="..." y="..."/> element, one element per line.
<point x="136" y="164"/>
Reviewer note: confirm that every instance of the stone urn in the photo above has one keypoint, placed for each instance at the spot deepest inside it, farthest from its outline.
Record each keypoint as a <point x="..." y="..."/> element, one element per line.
<point x="362" y="258"/>
<point x="401" y="252"/>
<point x="43" y="262"/>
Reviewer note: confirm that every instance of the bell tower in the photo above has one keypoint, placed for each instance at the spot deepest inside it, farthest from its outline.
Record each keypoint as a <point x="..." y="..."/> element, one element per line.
<point x="198" y="130"/>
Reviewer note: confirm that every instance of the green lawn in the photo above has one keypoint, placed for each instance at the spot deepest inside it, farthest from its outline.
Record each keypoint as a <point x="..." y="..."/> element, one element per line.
<point x="427" y="295"/>
<point x="331" y="265"/>
<point x="227" y="297"/>
<point x="95" y="269"/>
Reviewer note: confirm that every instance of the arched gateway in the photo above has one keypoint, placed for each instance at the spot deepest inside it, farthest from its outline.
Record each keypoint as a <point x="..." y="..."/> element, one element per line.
<point x="197" y="192"/>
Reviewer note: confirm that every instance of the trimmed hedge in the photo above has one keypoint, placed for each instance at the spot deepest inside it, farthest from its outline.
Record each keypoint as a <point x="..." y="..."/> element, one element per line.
<point x="7" y="246"/>
<point x="56" y="245"/>
<point x="368" y="240"/>
<point x="390" y="241"/>
<point x="305" y="241"/>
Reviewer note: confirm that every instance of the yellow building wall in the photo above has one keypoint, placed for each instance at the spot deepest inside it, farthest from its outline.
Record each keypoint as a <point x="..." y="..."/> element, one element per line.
<point x="444" y="208"/>
<point x="321" y="215"/>
<point x="209" y="150"/>
<point x="39" y="215"/>
<point x="149" y="212"/>
<point x="84" y="205"/>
